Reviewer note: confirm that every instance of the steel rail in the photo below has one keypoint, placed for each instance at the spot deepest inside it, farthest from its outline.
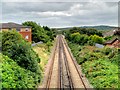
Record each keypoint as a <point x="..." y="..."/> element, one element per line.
<point x="64" y="42"/>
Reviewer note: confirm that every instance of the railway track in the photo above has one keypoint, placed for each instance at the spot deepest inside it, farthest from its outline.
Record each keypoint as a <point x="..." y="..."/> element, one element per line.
<point x="63" y="72"/>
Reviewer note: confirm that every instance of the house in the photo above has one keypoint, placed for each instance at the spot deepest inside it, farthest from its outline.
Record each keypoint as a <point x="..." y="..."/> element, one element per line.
<point x="113" y="43"/>
<point x="117" y="33"/>
<point x="108" y="33"/>
<point x="25" y="31"/>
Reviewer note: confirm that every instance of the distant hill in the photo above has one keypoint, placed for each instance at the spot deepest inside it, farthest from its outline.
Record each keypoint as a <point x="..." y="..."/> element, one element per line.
<point x="101" y="27"/>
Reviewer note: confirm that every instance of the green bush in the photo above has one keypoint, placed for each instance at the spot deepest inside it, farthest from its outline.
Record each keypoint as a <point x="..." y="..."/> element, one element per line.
<point x="50" y="32"/>
<point x="0" y="41"/>
<point x="84" y="39"/>
<point x="100" y="66"/>
<point x="15" y="47"/>
<point x="96" y="39"/>
<point x="106" y="50"/>
<point x="101" y="73"/>
<point x="13" y="76"/>
<point x="78" y="38"/>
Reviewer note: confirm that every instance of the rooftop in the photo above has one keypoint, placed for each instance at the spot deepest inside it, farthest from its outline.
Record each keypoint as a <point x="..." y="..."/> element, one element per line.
<point x="12" y="25"/>
<point x="117" y="32"/>
<point x="111" y="41"/>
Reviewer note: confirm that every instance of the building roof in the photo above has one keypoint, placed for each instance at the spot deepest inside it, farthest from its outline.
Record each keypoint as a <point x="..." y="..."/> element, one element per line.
<point x="117" y="32"/>
<point x="111" y="41"/>
<point x="99" y="45"/>
<point x="108" y="33"/>
<point x="12" y="25"/>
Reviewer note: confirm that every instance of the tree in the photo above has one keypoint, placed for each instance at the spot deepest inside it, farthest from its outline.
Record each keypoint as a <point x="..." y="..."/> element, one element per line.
<point x="88" y="31"/>
<point x="16" y="48"/>
<point x="75" y="37"/>
<point x="49" y="32"/>
<point x="97" y="39"/>
<point x="38" y="33"/>
<point x="74" y="30"/>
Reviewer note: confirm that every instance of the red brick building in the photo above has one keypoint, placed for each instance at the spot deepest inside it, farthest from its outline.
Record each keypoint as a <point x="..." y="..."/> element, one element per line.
<point x="113" y="43"/>
<point x="25" y="31"/>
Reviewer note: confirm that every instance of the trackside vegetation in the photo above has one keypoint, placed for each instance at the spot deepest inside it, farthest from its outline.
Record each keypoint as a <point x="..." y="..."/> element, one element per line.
<point x="100" y="65"/>
<point x="14" y="76"/>
<point x="21" y="65"/>
<point x="19" y="62"/>
<point x="15" y="47"/>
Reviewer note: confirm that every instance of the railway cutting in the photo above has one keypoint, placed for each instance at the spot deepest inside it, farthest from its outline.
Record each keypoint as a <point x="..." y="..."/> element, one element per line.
<point x="62" y="70"/>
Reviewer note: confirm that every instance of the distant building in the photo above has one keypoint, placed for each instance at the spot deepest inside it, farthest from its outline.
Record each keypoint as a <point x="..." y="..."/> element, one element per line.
<point x="25" y="31"/>
<point x="109" y="33"/>
<point x="99" y="45"/>
<point x="117" y="33"/>
<point x="113" y="43"/>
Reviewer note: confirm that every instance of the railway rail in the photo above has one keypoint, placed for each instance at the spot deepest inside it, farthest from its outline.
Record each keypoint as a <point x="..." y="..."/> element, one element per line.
<point x="63" y="72"/>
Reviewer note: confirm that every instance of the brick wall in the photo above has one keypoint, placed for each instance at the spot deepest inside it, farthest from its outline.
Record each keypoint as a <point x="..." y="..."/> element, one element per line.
<point x="26" y="35"/>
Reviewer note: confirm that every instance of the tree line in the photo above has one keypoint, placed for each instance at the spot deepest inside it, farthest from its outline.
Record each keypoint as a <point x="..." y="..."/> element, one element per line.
<point x="84" y="36"/>
<point x="39" y="33"/>
<point x="20" y="63"/>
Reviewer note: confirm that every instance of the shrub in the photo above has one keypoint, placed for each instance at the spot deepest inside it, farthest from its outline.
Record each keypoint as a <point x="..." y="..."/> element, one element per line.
<point x="75" y="37"/>
<point x="96" y="39"/>
<point x="106" y="50"/>
<point x="79" y="38"/>
<point x="20" y="51"/>
<point x="13" y="76"/>
<point x="100" y="66"/>
<point x="101" y="73"/>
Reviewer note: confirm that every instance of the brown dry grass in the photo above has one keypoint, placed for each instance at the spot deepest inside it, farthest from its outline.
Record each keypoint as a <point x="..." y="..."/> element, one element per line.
<point x="43" y="54"/>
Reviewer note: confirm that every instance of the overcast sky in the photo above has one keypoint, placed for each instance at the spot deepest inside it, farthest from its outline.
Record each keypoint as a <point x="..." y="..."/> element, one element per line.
<point x="61" y="14"/>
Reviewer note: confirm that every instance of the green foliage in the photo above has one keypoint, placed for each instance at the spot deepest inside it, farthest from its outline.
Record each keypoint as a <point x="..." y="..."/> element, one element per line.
<point x="101" y="73"/>
<point x="79" y="38"/>
<point x="106" y="50"/>
<point x="40" y="33"/>
<point x="13" y="76"/>
<point x="96" y="39"/>
<point x="84" y="36"/>
<point x="74" y="30"/>
<point x="99" y="65"/>
<point x="0" y="41"/>
<point x="75" y="37"/>
<point x="88" y="31"/>
<point x="50" y="32"/>
<point x="37" y="31"/>
<point x="83" y="39"/>
<point x="48" y="45"/>
<point x="0" y="71"/>
<point x="20" y="51"/>
<point x="108" y="38"/>
<point x="90" y="42"/>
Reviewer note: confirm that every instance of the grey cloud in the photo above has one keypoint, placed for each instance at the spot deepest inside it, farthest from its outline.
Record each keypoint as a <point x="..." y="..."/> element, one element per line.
<point x="13" y="7"/>
<point x="62" y="14"/>
<point x="59" y="0"/>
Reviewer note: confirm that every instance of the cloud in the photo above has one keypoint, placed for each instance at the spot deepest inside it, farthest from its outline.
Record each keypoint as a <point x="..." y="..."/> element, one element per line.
<point x="60" y="1"/>
<point x="61" y="14"/>
<point x="49" y="13"/>
<point x="13" y="7"/>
